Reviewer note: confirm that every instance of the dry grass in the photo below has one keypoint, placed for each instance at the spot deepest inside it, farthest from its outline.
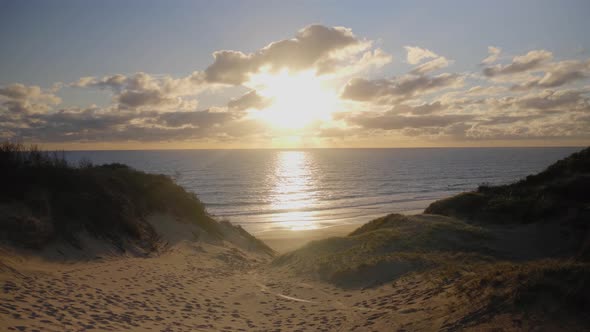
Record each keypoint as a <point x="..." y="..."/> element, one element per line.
<point x="544" y="290"/>
<point x="43" y="199"/>
<point x="559" y="192"/>
<point x="388" y="248"/>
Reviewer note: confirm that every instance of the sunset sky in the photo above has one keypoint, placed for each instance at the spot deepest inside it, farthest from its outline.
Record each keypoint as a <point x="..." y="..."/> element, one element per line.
<point x="254" y="74"/>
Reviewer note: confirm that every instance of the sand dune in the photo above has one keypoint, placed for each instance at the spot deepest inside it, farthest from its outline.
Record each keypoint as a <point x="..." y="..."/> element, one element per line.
<point x="192" y="286"/>
<point x="286" y="240"/>
<point x="420" y="272"/>
<point x="200" y="286"/>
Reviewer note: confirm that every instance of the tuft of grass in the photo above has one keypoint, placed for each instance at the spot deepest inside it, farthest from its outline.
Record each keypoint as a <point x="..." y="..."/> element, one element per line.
<point x="44" y="199"/>
<point x="388" y="248"/>
<point x="389" y="221"/>
<point x="558" y="193"/>
<point x="546" y="288"/>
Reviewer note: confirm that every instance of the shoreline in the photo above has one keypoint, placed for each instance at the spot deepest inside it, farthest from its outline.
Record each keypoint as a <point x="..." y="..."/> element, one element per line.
<point x="285" y="240"/>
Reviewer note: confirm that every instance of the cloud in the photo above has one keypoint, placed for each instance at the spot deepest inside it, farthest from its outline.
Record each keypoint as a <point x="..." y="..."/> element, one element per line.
<point x="494" y="53"/>
<point x="250" y="100"/>
<point x="539" y="128"/>
<point x="479" y="90"/>
<point x="313" y="47"/>
<point x="348" y="66"/>
<point x="523" y="63"/>
<point x="133" y="99"/>
<point x="569" y="100"/>
<point x="243" y="128"/>
<point x="68" y="121"/>
<point x="416" y="54"/>
<point x="485" y="117"/>
<point x="198" y="119"/>
<point x="558" y="74"/>
<point x="144" y="90"/>
<point x="392" y="121"/>
<point x="376" y="58"/>
<point x="26" y="113"/>
<point x="422" y="109"/>
<point x="336" y="132"/>
<point x="21" y="93"/>
<point x="143" y="81"/>
<point x="111" y="124"/>
<point x="529" y="97"/>
<point x="65" y="124"/>
<point x="399" y="88"/>
<point x="18" y="101"/>
<point x="432" y="65"/>
<point x="545" y="102"/>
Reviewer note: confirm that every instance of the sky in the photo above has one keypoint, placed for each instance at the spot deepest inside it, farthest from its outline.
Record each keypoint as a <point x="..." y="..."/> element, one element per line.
<point x="294" y="74"/>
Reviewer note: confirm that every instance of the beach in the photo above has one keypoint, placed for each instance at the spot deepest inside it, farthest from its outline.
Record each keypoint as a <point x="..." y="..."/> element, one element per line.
<point x="190" y="287"/>
<point x="283" y="241"/>
<point x="485" y="259"/>
<point x="198" y="286"/>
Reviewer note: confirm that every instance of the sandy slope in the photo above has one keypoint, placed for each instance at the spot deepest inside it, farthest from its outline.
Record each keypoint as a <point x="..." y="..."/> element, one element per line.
<point x="205" y="287"/>
<point x="286" y="240"/>
<point x="194" y="286"/>
<point x="191" y="287"/>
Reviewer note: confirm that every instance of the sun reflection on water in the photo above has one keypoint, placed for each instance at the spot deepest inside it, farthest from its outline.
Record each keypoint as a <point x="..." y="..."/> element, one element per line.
<point x="293" y="194"/>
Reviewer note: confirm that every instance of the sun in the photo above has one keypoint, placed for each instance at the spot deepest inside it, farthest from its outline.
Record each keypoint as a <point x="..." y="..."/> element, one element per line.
<point x="297" y="99"/>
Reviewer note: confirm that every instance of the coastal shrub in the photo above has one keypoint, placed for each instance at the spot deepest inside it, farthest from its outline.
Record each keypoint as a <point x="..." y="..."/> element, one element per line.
<point x="388" y="248"/>
<point x="547" y="288"/>
<point x="43" y="198"/>
<point x="558" y="193"/>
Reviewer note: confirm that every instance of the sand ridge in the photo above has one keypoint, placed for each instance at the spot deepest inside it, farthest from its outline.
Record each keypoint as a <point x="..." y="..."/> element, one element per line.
<point x="191" y="287"/>
<point x="195" y="285"/>
<point x="203" y="287"/>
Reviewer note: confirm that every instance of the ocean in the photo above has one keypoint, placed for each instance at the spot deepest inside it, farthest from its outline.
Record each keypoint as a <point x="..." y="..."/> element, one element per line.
<point x="305" y="189"/>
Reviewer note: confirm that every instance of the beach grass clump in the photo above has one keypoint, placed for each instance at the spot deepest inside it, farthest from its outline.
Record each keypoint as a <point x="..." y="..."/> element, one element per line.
<point x="44" y="199"/>
<point x="546" y="288"/>
<point x="559" y="192"/>
<point x="389" y="247"/>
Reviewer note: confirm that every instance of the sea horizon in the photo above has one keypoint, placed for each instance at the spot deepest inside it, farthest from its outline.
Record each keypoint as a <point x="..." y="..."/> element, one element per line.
<point x="324" y="148"/>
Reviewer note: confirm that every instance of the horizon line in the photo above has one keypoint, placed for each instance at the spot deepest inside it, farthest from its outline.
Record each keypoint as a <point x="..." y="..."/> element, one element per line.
<point x="333" y="148"/>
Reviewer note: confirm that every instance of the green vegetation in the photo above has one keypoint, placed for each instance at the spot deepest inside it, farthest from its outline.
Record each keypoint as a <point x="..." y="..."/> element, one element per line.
<point x="43" y="199"/>
<point x="467" y="231"/>
<point x="389" y="247"/>
<point x="547" y="288"/>
<point x="560" y="192"/>
<point x="517" y="252"/>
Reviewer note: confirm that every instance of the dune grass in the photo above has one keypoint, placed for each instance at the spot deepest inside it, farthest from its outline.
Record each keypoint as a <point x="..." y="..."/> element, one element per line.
<point x="389" y="247"/>
<point x="499" y="255"/>
<point x="561" y="284"/>
<point x="44" y="199"/>
<point x="560" y="192"/>
<point x="546" y="289"/>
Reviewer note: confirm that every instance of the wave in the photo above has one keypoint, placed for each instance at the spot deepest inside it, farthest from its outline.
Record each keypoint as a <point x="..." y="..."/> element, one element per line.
<point x="261" y="212"/>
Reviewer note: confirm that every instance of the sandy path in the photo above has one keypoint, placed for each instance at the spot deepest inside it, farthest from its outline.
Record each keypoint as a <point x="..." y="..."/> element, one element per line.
<point x="193" y="287"/>
<point x="201" y="287"/>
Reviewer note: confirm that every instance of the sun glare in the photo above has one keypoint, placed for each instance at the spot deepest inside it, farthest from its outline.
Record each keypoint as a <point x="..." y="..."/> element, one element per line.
<point x="293" y="193"/>
<point x="298" y="99"/>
